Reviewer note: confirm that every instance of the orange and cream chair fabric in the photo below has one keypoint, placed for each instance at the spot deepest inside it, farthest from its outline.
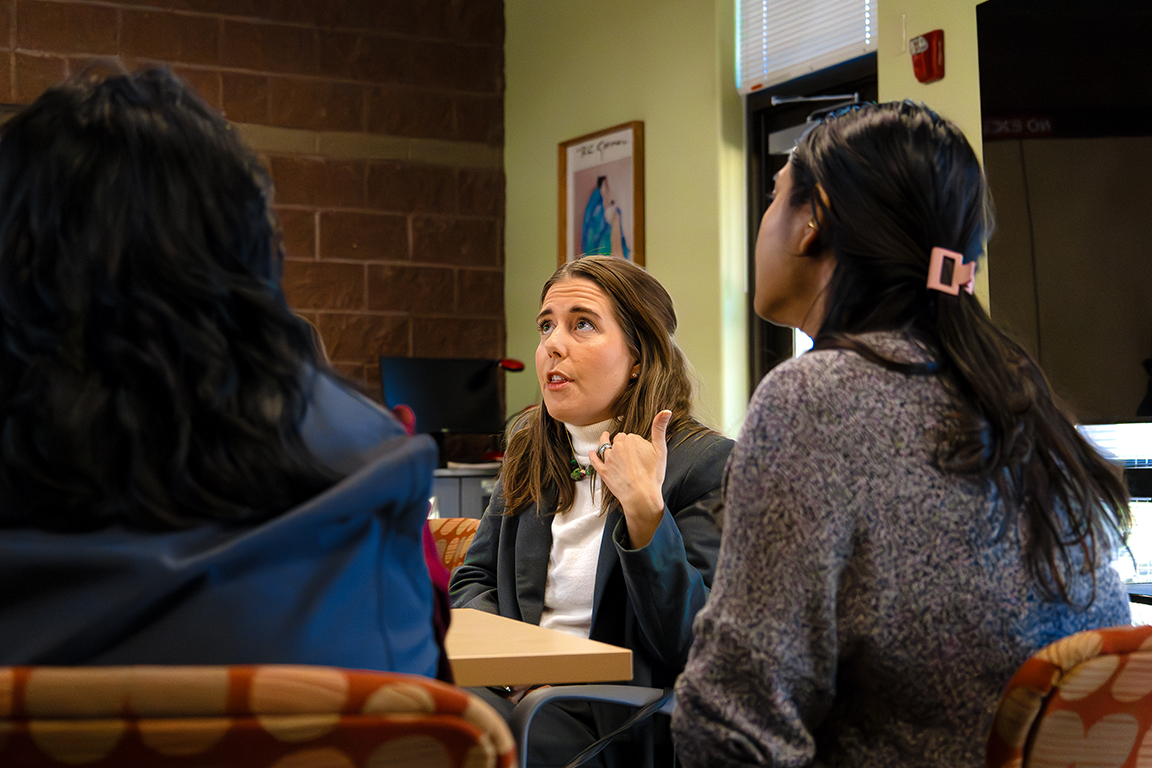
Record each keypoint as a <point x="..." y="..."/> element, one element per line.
<point x="268" y="716"/>
<point x="1085" y="700"/>
<point x="453" y="536"/>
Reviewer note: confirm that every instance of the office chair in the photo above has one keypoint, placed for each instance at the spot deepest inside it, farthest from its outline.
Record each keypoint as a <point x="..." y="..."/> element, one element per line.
<point x="288" y="716"/>
<point x="1084" y="700"/>
<point x="453" y="536"/>
<point x="646" y="701"/>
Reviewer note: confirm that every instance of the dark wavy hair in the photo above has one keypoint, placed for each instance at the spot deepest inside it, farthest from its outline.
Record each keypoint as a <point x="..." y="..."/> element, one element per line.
<point x="897" y="181"/>
<point x="151" y="373"/>
<point x="536" y="462"/>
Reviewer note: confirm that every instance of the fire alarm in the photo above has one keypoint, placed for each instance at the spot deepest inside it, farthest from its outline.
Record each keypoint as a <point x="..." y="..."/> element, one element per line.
<point x="928" y="56"/>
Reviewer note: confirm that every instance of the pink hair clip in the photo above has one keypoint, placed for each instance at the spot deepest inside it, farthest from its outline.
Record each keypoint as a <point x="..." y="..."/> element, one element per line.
<point x="948" y="273"/>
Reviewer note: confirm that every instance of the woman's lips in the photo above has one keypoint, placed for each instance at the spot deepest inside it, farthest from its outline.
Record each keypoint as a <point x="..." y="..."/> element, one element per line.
<point x="556" y="381"/>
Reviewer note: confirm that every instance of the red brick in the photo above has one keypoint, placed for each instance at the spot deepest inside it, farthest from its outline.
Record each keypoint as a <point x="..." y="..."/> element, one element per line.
<point x="352" y="337"/>
<point x="474" y="68"/>
<point x="343" y="184"/>
<point x="456" y="337"/>
<point x="403" y="187"/>
<point x="402" y="288"/>
<point x="36" y="73"/>
<point x="255" y="9"/>
<point x="308" y="12"/>
<point x="477" y="21"/>
<point x="298" y="230"/>
<point x="170" y="37"/>
<point x="250" y="9"/>
<point x="321" y="183"/>
<point x="6" y="91"/>
<point x="166" y="4"/>
<point x="463" y="242"/>
<point x="6" y="26"/>
<point x="363" y="236"/>
<point x="245" y="97"/>
<point x="480" y="118"/>
<point x="367" y="58"/>
<point x="482" y="192"/>
<point x="278" y="48"/>
<point x="406" y="111"/>
<point x="407" y="17"/>
<point x="205" y="82"/>
<point x="315" y="104"/>
<point x="66" y="27"/>
<point x="480" y="292"/>
<point x="324" y="285"/>
<point x="298" y="179"/>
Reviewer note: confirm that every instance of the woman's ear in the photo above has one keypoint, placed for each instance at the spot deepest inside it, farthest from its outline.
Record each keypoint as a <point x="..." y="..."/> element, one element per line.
<point x="810" y="238"/>
<point x="811" y="244"/>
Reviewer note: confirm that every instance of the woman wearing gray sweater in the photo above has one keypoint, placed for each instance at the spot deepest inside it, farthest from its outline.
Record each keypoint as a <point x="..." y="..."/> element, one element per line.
<point x="908" y="516"/>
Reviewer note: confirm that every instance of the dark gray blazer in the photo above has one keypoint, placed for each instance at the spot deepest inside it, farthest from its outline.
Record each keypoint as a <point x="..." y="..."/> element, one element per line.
<point x="645" y="599"/>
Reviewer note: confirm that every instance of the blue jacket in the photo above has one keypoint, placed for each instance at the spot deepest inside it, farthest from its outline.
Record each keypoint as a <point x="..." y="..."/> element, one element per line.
<point x="339" y="580"/>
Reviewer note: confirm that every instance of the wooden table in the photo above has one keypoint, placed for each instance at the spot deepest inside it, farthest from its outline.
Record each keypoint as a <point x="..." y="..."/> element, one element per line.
<point x="486" y="649"/>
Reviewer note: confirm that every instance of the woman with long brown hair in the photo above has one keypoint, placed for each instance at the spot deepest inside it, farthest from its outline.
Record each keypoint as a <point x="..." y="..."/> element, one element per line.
<point x="602" y="523"/>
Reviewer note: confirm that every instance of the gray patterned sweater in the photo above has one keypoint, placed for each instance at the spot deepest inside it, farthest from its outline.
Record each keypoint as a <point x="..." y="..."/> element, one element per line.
<point x="864" y="611"/>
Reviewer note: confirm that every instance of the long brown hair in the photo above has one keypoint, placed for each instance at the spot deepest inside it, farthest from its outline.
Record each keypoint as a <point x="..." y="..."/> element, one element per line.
<point x="900" y="180"/>
<point x="536" y="462"/>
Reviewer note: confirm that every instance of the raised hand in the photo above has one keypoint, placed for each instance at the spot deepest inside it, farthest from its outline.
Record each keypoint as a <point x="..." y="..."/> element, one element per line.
<point x="633" y="469"/>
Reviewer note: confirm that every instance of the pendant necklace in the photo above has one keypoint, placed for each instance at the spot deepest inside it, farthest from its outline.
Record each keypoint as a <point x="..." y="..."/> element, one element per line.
<point x="578" y="472"/>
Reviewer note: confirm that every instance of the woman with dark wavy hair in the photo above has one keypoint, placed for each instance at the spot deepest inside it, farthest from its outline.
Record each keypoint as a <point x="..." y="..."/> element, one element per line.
<point x="601" y="523"/>
<point x="178" y="470"/>
<point x="908" y="515"/>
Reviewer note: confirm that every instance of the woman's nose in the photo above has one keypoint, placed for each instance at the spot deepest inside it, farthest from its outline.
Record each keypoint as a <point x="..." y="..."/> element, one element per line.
<point x="554" y="343"/>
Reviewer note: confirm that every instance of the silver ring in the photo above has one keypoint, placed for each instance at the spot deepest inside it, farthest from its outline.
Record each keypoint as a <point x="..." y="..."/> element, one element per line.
<point x="600" y="451"/>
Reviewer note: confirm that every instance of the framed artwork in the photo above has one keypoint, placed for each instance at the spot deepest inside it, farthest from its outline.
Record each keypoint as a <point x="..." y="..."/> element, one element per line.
<point x="601" y="193"/>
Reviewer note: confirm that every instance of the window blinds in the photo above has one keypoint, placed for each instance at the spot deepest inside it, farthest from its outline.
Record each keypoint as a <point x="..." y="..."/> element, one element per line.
<point x="783" y="39"/>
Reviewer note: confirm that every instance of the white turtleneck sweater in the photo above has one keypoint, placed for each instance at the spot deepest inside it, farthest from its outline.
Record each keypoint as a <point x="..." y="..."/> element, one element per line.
<point x="576" y="536"/>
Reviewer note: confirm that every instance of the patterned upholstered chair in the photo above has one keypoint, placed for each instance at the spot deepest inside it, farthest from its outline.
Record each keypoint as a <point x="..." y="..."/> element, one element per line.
<point x="453" y="536"/>
<point x="271" y="716"/>
<point x="1085" y="700"/>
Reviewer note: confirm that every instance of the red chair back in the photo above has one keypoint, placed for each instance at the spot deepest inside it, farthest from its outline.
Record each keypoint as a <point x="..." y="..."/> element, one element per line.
<point x="242" y="717"/>
<point x="453" y="536"/>
<point x="1085" y="700"/>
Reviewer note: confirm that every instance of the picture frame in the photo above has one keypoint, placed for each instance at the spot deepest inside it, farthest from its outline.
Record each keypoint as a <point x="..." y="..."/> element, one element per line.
<point x="601" y="194"/>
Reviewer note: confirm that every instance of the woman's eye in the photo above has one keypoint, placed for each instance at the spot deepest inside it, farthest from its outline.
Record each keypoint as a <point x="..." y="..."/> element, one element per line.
<point x="544" y="326"/>
<point x="585" y="325"/>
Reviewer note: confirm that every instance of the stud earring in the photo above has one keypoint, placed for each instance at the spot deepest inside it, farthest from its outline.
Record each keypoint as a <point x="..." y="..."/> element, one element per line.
<point x="812" y="223"/>
<point x="634" y="374"/>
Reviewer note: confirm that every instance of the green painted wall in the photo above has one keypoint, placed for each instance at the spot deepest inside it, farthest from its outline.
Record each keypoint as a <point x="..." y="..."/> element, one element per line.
<point x="957" y="95"/>
<point x="578" y="66"/>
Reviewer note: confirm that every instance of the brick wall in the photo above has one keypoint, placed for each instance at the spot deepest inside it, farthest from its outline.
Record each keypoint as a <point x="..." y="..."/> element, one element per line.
<point x="382" y="123"/>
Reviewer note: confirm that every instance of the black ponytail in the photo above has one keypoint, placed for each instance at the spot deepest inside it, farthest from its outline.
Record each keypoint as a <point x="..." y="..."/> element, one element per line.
<point x="891" y="182"/>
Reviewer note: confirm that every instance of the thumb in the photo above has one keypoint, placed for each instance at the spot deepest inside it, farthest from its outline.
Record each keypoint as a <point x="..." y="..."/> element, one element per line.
<point x="660" y="429"/>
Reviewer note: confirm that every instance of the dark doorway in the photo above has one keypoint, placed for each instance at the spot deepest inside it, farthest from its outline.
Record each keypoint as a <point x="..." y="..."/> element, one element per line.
<point x="776" y="117"/>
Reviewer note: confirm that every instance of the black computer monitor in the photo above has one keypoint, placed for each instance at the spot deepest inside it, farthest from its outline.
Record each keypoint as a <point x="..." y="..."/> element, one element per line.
<point x="455" y="395"/>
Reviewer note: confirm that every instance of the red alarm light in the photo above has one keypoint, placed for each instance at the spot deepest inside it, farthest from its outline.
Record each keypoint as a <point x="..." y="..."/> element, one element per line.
<point x="928" y="56"/>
